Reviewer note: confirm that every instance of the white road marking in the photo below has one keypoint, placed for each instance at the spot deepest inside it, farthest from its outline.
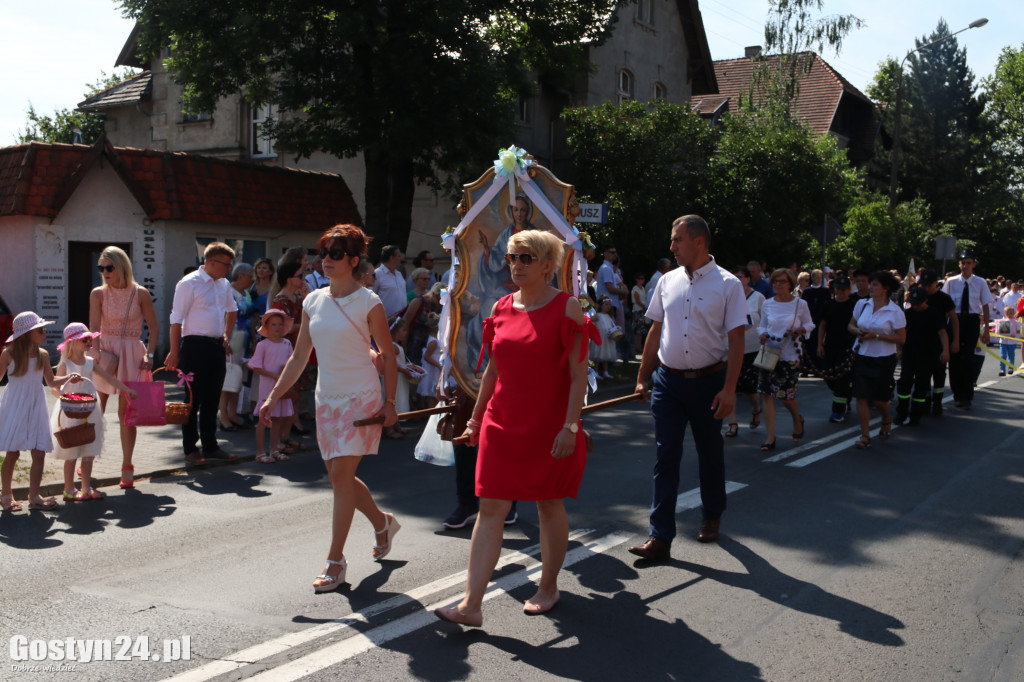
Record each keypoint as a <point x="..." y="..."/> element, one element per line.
<point x="285" y="642"/>
<point x="793" y="452"/>
<point x="691" y="498"/>
<point x="364" y="641"/>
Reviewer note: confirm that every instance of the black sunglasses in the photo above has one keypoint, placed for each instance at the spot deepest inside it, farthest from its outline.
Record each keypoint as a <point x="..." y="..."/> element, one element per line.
<point x="105" y="268"/>
<point x="334" y="254"/>
<point x="524" y="258"/>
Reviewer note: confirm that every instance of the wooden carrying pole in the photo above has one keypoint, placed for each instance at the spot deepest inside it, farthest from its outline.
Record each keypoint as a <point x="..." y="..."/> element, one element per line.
<point x="587" y="409"/>
<point x="415" y="414"/>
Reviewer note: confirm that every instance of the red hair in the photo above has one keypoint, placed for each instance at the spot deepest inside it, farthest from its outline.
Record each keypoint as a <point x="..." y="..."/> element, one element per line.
<point x="348" y="237"/>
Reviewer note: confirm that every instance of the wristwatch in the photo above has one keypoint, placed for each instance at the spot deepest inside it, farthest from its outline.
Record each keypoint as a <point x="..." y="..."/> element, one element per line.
<point x="150" y="356"/>
<point x="572" y="426"/>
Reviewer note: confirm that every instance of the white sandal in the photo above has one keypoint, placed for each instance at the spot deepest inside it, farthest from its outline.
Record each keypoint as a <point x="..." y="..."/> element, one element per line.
<point x="391" y="527"/>
<point x="265" y="458"/>
<point x="333" y="582"/>
<point x="279" y="456"/>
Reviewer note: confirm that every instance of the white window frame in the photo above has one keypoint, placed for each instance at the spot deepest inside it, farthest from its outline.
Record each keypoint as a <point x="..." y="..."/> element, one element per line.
<point x="523" y="104"/>
<point x="645" y="12"/>
<point x="261" y="147"/>
<point x="659" y="91"/>
<point x="624" y="85"/>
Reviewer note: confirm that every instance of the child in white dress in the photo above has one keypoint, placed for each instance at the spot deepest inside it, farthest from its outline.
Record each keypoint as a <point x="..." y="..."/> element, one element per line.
<point x="73" y="358"/>
<point x="23" y="421"/>
<point x="604" y="354"/>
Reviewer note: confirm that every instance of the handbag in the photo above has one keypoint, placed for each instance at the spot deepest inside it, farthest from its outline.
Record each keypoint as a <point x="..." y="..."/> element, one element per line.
<point x="431" y="448"/>
<point x="768" y="356"/>
<point x="148" y="408"/>
<point x="109" y="360"/>
<point x="232" y="377"/>
<point x="452" y="424"/>
<point x="375" y="357"/>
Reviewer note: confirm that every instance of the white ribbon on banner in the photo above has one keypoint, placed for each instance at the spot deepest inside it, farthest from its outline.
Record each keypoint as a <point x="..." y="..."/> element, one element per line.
<point x="509" y="166"/>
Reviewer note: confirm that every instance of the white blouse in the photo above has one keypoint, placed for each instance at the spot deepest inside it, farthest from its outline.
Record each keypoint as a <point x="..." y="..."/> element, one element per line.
<point x="777" y="319"/>
<point x="886" y="320"/>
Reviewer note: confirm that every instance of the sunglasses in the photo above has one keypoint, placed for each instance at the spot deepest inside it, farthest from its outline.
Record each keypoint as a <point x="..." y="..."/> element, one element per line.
<point x="524" y="258"/>
<point x="105" y="268"/>
<point x="333" y="254"/>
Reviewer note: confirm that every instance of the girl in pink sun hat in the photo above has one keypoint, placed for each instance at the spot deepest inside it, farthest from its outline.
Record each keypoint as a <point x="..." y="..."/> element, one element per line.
<point x="73" y="358"/>
<point x="268" y="361"/>
<point x="24" y="424"/>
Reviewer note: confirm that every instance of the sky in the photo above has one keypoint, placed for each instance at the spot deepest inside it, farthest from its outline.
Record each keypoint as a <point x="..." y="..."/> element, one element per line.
<point x="51" y="49"/>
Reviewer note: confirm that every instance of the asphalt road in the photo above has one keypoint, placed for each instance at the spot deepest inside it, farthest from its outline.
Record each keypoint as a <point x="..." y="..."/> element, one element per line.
<point x="899" y="563"/>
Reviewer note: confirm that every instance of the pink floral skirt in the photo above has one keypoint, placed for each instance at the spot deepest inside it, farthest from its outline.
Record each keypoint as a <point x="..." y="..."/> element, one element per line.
<point x="335" y="413"/>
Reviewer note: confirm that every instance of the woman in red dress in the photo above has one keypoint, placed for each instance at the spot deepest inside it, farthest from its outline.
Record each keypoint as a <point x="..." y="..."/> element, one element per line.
<point x="527" y="420"/>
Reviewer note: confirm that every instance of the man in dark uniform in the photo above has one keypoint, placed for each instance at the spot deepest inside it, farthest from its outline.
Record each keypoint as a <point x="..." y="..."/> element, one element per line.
<point x="939" y="302"/>
<point x="834" y="344"/>
<point x="971" y="297"/>
<point x="927" y="342"/>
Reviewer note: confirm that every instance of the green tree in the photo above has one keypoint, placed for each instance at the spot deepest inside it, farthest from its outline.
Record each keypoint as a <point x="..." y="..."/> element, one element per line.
<point x="647" y="162"/>
<point x="1005" y="110"/>
<point x="422" y="89"/>
<point x="875" y="238"/>
<point x="62" y="125"/>
<point x="942" y="136"/>
<point x="770" y="184"/>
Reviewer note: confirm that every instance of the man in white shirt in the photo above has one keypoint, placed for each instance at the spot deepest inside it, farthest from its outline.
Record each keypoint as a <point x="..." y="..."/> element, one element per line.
<point x="971" y="297"/>
<point x="202" y="318"/>
<point x="691" y="377"/>
<point x="1011" y="297"/>
<point x="317" y="279"/>
<point x="390" y="283"/>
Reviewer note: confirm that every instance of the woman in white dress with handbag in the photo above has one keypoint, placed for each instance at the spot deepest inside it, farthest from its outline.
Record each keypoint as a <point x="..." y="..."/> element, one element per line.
<point x="338" y="320"/>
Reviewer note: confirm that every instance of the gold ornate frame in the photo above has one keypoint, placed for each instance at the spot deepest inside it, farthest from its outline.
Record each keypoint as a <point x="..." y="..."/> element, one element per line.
<point x="561" y="195"/>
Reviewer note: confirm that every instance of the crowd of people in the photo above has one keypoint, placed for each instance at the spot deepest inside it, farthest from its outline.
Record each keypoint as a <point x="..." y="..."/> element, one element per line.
<point x="325" y="335"/>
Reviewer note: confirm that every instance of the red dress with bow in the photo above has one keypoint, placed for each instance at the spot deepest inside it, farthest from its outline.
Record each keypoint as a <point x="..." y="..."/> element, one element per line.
<point x="527" y="409"/>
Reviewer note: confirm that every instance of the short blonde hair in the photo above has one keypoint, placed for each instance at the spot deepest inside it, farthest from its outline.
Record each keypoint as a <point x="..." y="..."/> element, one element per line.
<point x="121" y="262"/>
<point x="544" y="245"/>
<point x="419" y="272"/>
<point x="789" y="277"/>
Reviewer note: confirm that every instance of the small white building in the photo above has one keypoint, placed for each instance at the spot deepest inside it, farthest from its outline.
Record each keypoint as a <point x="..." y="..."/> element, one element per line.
<point x="61" y="204"/>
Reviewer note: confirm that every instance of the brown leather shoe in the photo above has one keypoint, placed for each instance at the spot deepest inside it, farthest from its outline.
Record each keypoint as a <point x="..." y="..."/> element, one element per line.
<point x="708" y="531"/>
<point x="652" y="550"/>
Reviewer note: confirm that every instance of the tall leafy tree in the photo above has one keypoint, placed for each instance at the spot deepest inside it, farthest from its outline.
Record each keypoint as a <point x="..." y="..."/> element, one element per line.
<point x="942" y="136"/>
<point x="647" y="162"/>
<point x="422" y="89"/>
<point x="1005" y="92"/>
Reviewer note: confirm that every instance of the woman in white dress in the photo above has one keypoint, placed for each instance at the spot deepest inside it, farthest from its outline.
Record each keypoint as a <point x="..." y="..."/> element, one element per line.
<point x="338" y="320"/>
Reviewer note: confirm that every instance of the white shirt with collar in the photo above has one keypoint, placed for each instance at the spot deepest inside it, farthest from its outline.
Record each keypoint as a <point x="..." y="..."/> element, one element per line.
<point x="980" y="295"/>
<point x="390" y="287"/>
<point x="315" y="280"/>
<point x="697" y="313"/>
<point x="886" y="320"/>
<point x="200" y="304"/>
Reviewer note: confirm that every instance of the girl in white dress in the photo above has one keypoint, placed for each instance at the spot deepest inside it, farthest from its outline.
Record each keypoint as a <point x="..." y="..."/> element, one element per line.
<point x="23" y="421"/>
<point x="604" y="354"/>
<point x="77" y="340"/>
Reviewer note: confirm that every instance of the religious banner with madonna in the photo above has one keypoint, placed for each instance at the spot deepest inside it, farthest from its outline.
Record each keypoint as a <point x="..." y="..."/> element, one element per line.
<point x="514" y="194"/>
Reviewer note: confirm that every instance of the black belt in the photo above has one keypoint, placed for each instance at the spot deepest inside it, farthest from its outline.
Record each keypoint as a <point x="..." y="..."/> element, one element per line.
<point x="198" y="337"/>
<point x="695" y="373"/>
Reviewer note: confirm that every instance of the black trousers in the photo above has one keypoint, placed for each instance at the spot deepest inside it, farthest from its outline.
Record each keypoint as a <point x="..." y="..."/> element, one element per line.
<point x="963" y="365"/>
<point x="915" y="378"/>
<point x="465" y="476"/>
<point x="204" y="358"/>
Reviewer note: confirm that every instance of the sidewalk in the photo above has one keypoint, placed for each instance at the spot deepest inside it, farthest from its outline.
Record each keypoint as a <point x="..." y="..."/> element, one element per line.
<point x="158" y="449"/>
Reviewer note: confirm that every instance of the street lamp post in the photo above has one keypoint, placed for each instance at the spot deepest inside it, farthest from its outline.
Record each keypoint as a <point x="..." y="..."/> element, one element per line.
<point x="977" y="23"/>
